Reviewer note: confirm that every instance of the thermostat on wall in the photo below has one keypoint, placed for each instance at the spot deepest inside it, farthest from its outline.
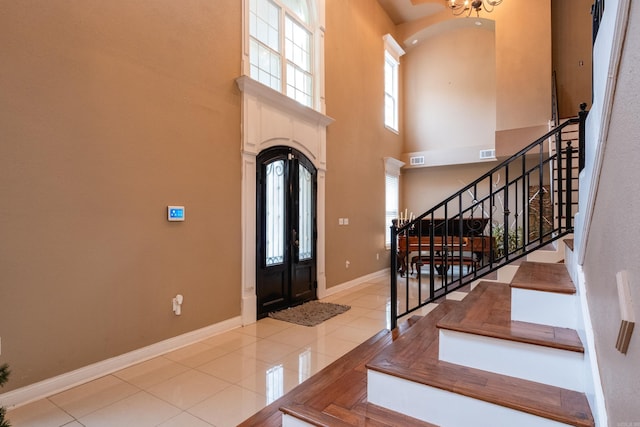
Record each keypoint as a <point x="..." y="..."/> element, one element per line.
<point x="175" y="213"/>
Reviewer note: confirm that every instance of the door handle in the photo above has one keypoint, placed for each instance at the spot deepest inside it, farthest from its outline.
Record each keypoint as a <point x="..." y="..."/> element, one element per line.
<point x="295" y="238"/>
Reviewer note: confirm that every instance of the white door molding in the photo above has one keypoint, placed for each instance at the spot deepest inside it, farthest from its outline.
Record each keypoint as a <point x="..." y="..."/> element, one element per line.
<point x="271" y="119"/>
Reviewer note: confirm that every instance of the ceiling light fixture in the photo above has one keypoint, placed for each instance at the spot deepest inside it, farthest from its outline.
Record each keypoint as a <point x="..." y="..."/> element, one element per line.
<point x="459" y="7"/>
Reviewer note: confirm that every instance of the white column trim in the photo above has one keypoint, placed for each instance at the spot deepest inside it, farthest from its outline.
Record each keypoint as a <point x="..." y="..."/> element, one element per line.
<point x="392" y="166"/>
<point x="270" y="119"/>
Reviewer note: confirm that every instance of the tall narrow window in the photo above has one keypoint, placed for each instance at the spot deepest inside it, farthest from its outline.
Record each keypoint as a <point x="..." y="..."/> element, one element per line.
<point x="392" y="55"/>
<point x="391" y="204"/>
<point x="390" y="92"/>
<point x="280" y="47"/>
<point x="392" y="194"/>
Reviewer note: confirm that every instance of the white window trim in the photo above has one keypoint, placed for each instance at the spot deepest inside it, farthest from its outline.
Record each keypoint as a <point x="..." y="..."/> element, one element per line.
<point x="392" y="46"/>
<point x="270" y="118"/>
<point x="392" y="167"/>
<point x="393" y="52"/>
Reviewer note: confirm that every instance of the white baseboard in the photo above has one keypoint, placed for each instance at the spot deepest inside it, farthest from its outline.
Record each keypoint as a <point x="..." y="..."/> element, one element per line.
<point x="353" y="283"/>
<point x="594" y="392"/>
<point x="57" y="384"/>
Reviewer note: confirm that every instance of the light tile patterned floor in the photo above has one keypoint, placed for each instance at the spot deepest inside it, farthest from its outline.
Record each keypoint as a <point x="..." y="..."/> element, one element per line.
<point x="221" y="380"/>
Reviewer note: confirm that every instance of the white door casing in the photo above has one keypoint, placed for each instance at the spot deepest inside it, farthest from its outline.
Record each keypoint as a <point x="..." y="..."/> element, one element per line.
<point x="270" y="119"/>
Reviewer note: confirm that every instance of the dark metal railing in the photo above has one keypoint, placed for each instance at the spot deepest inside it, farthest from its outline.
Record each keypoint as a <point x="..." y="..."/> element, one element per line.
<point x="522" y="204"/>
<point x="555" y="112"/>
<point x="597" y="10"/>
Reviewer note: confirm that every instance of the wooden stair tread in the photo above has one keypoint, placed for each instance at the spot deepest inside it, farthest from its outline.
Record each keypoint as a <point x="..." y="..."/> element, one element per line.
<point x="414" y="357"/>
<point x="487" y="311"/>
<point x="555" y="403"/>
<point x="338" y="393"/>
<point x="362" y="414"/>
<point x="403" y="326"/>
<point x="541" y="276"/>
<point x="569" y="243"/>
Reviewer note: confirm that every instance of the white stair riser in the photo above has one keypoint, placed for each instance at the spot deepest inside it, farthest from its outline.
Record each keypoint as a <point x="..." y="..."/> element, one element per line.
<point x="560" y="368"/>
<point x="442" y="407"/>
<point x="545" y="308"/>
<point x="547" y="256"/>
<point x="291" y="421"/>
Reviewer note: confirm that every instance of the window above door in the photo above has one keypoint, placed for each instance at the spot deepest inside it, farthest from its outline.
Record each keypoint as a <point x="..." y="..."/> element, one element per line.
<point x="282" y="47"/>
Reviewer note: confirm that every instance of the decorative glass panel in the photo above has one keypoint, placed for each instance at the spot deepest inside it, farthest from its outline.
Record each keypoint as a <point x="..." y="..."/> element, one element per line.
<point x="275" y="217"/>
<point x="305" y="221"/>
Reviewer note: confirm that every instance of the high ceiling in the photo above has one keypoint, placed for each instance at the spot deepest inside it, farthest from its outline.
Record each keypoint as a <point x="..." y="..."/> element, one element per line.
<point x="402" y="11"/>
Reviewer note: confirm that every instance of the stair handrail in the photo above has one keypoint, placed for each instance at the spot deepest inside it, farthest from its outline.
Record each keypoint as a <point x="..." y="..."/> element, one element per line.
<point x="448" y="246"/>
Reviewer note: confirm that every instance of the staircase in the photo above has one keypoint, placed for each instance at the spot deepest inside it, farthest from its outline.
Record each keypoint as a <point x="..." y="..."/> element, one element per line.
<point x="524" y="204"/>
<point x="508" y="354"/>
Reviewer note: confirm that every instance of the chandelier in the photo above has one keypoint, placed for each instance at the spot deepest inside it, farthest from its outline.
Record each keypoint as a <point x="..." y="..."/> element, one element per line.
<point x="459" y="7"/>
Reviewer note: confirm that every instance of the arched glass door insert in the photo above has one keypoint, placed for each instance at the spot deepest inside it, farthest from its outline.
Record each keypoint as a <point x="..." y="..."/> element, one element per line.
<point x="286" y="230"/>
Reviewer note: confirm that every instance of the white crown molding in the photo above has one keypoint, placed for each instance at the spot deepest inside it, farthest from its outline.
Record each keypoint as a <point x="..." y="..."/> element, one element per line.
<point x="281" y="101"/>
<point x="392" y="166"/>
<point x="393" y="47"/>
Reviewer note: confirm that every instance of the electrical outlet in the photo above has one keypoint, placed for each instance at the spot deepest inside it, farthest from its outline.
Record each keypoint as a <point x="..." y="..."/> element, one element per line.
<point x="346" y="264"/>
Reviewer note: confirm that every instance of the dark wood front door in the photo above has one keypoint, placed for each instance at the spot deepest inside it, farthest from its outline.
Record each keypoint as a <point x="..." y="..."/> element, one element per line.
<point x="285" y="230"/>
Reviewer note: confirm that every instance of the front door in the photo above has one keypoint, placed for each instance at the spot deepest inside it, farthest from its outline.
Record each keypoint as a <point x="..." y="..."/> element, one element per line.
<point x="285" y="230"/>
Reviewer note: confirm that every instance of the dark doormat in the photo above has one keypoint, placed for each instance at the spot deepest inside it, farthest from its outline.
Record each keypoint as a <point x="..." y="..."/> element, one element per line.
<point x="311" y="313"/>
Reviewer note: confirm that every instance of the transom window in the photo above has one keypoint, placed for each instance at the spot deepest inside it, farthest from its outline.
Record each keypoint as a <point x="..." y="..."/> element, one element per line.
<point x="280" y="50"/>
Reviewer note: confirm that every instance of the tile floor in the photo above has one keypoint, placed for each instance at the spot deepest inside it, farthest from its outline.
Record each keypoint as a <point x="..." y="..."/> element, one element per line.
<point x="219" y="381"/>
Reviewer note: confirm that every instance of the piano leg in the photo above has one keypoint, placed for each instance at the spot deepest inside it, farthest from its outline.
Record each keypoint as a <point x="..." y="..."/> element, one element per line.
<point x="442" y="269"/>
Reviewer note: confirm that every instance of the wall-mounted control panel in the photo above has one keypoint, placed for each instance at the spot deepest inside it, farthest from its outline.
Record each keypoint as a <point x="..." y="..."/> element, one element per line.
<point x="175" y="213"/>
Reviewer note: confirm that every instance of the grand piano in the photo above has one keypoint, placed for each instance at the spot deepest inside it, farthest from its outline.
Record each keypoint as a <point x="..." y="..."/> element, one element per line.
<point x="455" y="241"/>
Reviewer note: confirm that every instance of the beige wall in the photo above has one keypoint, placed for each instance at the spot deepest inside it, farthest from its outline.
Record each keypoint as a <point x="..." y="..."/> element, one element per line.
<point x="572" y="41"/>
<point x="357" y="141"/>
<point x="508" y="105"/>
<point x="523" y="64"/>
<point x="450" y="82"/>
<point x="110" y="111"/>
<point x="425" y="187"/>
<point x="523" y="60"/>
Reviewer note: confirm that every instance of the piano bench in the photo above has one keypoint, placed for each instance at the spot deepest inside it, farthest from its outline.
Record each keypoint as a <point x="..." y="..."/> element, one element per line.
<point x="441" y="264"/>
